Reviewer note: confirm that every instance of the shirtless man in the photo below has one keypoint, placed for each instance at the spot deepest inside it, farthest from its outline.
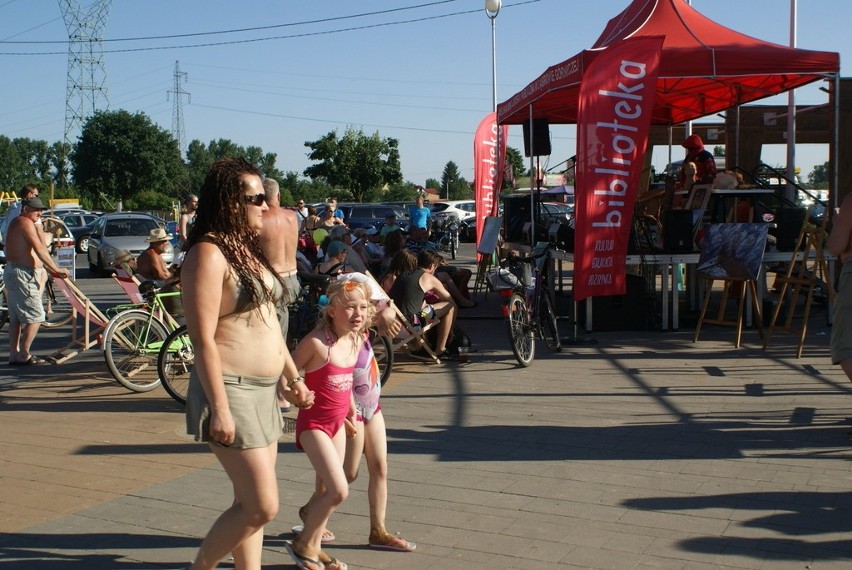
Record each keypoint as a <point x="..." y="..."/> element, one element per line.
<point x="840" y="244"/>
<point x="150" y="264"/>
<point x="279" y="239"/>
<point x="26" y="260"/>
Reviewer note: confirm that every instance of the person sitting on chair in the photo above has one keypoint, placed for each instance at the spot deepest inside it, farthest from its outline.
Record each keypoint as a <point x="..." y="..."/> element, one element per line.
<point x="150" y="265"/>
<point x="409" y="293"/>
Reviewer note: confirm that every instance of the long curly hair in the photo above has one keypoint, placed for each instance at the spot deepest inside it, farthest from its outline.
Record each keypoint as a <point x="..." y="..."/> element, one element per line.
<point x="221" y="220"/>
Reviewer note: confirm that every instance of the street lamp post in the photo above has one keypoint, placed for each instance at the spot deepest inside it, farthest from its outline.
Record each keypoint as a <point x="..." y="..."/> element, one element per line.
<point x="492" y="8"/>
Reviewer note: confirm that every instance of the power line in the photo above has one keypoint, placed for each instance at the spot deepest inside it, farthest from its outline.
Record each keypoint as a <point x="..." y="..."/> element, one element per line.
<point x="253" y="29"/>
<point x="272" y="38"/>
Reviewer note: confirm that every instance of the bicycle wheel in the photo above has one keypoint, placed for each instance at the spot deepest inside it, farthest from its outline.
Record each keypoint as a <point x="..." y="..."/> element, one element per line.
<point x="547" y="319"/>
<point x="383" y="349"/>
<point x="57" y="309"/>
<point x="132" y="342"/>
<point x="520" y="330"/>
<point x="175" y="362"/>
<point x="4" y="306"/>
<point x="453" y="246"/>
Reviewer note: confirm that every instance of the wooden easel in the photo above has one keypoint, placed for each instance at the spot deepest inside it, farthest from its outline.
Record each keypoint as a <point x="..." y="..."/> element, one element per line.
<point x="487" y="250"/>
<point x="801" y="279"/>
<point x="732" y="254"/>
<point x="746" y="288"/>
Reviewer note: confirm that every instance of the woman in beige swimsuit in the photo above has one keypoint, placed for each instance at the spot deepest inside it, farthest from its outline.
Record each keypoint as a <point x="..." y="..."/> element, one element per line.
<point x="241" y="360"/>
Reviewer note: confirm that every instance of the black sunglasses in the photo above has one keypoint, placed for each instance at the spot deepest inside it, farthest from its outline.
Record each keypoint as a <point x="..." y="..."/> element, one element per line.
<point x="256" y="200"/>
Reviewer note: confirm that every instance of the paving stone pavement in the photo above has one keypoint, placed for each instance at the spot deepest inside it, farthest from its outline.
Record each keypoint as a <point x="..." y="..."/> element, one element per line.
<point x="639" y="450"/>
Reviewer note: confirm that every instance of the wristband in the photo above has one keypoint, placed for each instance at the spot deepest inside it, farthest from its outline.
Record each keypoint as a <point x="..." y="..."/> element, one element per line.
<point x="294" y="381"/>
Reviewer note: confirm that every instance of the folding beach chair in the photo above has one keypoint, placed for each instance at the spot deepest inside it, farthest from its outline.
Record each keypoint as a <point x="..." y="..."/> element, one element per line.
<point x="93" y="322"/>
<point x="129" y="284"/>
<point x="411" y="339"/>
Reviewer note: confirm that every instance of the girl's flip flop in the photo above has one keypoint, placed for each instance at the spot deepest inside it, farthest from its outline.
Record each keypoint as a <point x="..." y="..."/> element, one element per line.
<point x="327" y="535"/>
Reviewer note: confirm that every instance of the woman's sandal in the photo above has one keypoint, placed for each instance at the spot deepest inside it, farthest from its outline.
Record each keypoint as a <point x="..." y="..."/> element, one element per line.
<point x="392" y="542"/>
<point x="303" y="562"/>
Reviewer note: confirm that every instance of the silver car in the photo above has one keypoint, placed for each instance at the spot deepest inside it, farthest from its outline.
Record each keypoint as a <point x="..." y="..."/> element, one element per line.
<point x="121" y="231"/>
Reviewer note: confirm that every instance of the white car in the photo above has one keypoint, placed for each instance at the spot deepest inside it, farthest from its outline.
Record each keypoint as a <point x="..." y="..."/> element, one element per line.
<point x="458" y="210"/>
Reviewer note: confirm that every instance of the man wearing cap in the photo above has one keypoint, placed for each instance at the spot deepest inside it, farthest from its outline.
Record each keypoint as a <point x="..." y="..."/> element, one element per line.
<point x="705" y="164"/>
<point x="150" y="265"/>
<point x="357" y="258"/>
<point x="390" y="225"/>
<point x="26" y="260"/>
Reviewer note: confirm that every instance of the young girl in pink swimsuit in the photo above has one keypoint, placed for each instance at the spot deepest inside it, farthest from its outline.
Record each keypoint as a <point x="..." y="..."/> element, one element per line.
<point x="328" y="356"/>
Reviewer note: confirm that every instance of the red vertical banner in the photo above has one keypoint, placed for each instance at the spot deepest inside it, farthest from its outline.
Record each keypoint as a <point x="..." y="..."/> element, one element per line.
<point x="489" y="158"/>
<point x="614" y="117"/>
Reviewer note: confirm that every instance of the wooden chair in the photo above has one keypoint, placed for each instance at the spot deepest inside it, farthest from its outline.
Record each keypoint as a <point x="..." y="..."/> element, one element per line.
<point x="83" y="335"/>
<point x="807" y="265"/>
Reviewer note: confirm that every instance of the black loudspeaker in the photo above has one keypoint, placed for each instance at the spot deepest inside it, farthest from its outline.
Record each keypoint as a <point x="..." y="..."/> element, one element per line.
<point x="541" y="137"/>
<point x="628" y="312"/>
<point x="789" y="223"/>
<point x="677" y="231"/>
<point x="516" y="212"/>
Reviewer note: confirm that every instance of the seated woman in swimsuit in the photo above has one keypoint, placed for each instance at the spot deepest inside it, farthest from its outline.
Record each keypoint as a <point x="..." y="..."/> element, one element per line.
<point x="229" y="291"/>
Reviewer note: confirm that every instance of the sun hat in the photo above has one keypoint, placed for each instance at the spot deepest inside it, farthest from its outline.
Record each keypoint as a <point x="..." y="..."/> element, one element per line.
<point x="335" y="248"/>
<point x="158" y="234"/>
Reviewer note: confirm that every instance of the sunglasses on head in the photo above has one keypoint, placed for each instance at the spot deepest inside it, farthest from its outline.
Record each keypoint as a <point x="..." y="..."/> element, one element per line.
<point x="255" y="200"/>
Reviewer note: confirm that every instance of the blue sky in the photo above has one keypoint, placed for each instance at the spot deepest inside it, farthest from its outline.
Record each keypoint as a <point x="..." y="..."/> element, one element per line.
<point x="421" y="75"/>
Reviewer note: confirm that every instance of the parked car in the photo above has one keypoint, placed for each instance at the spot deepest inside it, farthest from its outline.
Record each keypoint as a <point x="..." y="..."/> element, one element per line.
<point x="370" y="215"/>
<point x="459" y="210"/>
<point x="80" y="224"/>
<point x="121" y="231"/>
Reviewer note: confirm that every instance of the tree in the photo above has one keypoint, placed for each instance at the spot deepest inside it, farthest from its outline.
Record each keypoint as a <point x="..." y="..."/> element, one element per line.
<point x="453" y="186"/>
<point x="28" y="161"/>
<point x="514" y="167"/>
<point x="199" y="157"/>
<point x="818" y="178"/>
<point x="120" y="156"/>
<point x="718" y="151"/>
<point x="355" y="162"/>
<point x="433" y="183"/>
<point x="401" y="192"/>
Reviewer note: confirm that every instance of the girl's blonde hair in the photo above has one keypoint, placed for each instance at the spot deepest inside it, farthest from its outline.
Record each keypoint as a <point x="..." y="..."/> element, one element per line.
<point x="339" y="289"/>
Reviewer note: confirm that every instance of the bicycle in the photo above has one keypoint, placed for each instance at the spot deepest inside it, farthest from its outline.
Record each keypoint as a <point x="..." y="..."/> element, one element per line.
<point x="176" y="358"/>
<point x="446" y="238"/>
<point x="133" y="339"/>
<point x="530" y="302"/>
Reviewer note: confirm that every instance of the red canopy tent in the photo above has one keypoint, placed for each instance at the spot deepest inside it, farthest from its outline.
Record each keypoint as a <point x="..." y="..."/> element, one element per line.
<point x="705" y="68"/>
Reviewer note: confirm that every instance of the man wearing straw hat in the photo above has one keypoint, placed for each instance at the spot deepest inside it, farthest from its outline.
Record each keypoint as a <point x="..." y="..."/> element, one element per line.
<point x="150" y="264"/>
